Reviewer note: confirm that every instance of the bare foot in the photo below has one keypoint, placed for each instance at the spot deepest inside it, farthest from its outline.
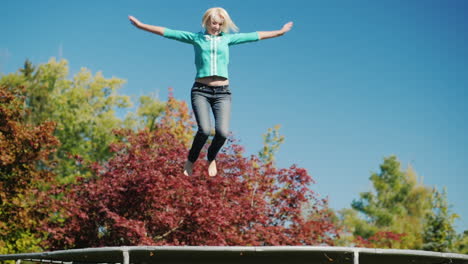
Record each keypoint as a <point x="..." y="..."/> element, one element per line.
<point x="188" y="168"/>
<point x="212" y="171"/>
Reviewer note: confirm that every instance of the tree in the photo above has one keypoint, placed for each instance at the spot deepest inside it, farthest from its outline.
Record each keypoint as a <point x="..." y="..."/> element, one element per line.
<point x="396" y="209"/>
<point x="177" y="120"/>
<point x="84" y="109"/>
<point x="150" y="110"/>
<point x="25" y="168"/>
<point x="439" y="234"/>
<point x="380" y="239"/>
<point x="141" y="197"/>
<point x="461" y="243"/>
<point x="272" y="140"/>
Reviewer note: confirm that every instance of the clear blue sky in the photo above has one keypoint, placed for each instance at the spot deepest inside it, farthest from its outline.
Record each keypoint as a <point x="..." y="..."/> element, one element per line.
<point x="352" y="83"/>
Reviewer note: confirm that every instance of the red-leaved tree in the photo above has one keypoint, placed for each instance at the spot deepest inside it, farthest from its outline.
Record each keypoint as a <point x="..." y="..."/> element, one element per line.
<point x="140" y="197"/>
<point x="381" y="239"/>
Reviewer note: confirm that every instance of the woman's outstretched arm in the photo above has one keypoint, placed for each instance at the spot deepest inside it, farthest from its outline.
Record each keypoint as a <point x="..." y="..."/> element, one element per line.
<point x="275" y="33"/>
<point x="154" y="29"/>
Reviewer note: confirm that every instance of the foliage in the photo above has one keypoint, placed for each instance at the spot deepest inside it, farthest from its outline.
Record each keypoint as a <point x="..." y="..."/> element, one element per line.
<point x="381" y="239"/>
<point x="150" y="110"/>
<point x="461" y="243"/>
<point x="439" y="234"/>
<point x="272" y="140"/>
<point x="398" y="205"/>
<point x="25" y="167"/>
<point x="177" y="120"/>
<point x="135" y="193"/>
<point x="84" y="109"/>
<point x="140" y="197"/>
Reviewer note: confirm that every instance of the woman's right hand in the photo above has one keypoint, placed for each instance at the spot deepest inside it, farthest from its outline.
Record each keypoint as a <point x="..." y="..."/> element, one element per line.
<point x="134" y="21"/>
<point x="153" y="29"/>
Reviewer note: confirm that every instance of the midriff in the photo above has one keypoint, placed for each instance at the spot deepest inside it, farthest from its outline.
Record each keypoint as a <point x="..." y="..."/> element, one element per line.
<point x="213" y="80"/>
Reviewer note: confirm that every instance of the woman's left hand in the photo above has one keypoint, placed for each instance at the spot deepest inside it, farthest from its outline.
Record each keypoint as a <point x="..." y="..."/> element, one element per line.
<point x="287" y="27"/>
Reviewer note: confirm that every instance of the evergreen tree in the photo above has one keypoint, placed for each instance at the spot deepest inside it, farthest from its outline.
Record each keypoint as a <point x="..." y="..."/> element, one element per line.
<point x="439" y="234"/>
<point x="394" y="210"/>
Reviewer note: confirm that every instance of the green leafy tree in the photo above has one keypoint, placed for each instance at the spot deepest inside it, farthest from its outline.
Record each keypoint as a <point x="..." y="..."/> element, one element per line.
<point x="397" y="205"/>
<point x="83" y="109"/>
<point x="25" y="168"/>
<point x="149" y="111"/>
<point x="439" y="234"/>
<point x="272" y="141"/>
<point x="461" y="243"/>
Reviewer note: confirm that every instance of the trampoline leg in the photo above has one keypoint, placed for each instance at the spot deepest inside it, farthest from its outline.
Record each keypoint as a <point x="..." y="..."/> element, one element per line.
<point x="126" y="257"/>
<point x="356" y="257"/>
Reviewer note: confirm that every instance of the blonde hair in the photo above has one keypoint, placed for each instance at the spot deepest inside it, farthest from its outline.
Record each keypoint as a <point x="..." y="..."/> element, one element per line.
<point x="220" y="15"/>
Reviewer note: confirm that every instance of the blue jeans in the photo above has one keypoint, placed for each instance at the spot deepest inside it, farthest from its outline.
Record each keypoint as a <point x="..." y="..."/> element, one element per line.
<point x="218" y="99"/>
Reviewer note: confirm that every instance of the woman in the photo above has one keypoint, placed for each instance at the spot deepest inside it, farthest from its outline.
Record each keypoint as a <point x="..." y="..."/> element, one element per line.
<point x="211" y="87"/>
